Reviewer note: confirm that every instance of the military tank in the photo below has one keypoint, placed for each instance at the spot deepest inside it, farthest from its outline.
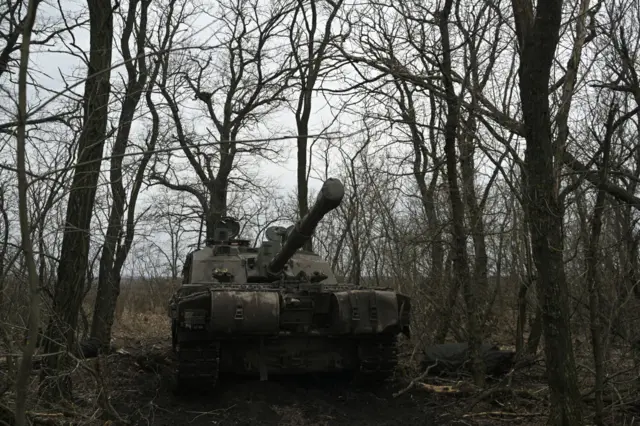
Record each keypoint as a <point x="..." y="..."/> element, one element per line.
<point x="278" y="309"/>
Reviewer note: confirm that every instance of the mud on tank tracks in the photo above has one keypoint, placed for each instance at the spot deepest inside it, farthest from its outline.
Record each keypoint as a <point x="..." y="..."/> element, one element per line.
<point x="141" y="392"/>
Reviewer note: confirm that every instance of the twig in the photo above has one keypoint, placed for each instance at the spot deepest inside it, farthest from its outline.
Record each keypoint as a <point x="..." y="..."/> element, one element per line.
<point x="464" y="389"/>
<point x="503" y="414"/>
<point x="103" y="398"/>
<point x="416" y="380"/>
<point x="33" y="414"/>
<point x="210" y="413"/>
<point x="496" y="390"/>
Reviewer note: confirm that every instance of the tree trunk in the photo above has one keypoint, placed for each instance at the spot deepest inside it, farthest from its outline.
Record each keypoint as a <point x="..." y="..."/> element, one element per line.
<point x="461" y="274"/>
<point x="22" y="379"/>
<point x="110" y="272"/>
<point x="476" y="225"/>
<point x="74" y="257"/>
<point x="538" y="39"/>
<point x="303" y="184"/>
<point x="591" y="260"/>
<point x="308" y="71"/>
<point x="427" y="191"/>
<point x="217" y="205"/>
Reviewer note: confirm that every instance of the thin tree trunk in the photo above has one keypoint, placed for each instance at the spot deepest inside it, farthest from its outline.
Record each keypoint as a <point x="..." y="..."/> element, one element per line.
<point x="594" y="302"/>
<point x="446" y="313"/>
<point x="308" y="72"/>
<point x="461" y="274"/>
<point x="109" y="274"/>
<point x="23" y="211"/>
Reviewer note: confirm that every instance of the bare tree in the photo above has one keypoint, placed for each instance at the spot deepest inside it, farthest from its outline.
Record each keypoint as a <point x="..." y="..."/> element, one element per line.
<point x="116" y="249"/>
<point x="537" y="39"/>
<point x="591" y="259"/>
<point x="402" y="47"/>
<point x="309" y="47"/>
<point x="27" y="246"/>
<point x="75" y="245"/>
<point x="13" y="18"/>
<point x="250" y="85"/>
<point x="174" y="219"/>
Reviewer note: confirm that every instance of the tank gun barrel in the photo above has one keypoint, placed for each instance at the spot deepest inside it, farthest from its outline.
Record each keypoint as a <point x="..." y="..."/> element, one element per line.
<point x="328" y="199"/>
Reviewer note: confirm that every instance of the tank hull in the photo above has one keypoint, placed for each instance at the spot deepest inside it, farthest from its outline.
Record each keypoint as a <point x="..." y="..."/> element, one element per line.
<point x="239" y="311"/>
<point x="261" y="332"/>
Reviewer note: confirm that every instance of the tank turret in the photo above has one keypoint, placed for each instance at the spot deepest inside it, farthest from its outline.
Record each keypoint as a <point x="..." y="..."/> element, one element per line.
<point x="328" y="199"/>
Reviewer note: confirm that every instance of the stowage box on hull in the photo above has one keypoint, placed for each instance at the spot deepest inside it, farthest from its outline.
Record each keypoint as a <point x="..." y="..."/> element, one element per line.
<point x="220" y="313"/>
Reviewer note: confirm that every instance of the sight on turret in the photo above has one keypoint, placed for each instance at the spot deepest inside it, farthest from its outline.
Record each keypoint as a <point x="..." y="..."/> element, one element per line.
<point x="276" y="309"/>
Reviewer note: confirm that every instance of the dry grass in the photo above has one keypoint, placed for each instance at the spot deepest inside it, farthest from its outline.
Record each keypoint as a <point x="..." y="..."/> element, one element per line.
<point x="142" y="326"/>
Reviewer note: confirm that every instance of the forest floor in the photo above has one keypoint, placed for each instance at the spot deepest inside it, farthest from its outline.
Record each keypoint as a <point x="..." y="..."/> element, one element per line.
<point x="143" y="394"/>
<point x="137" y="380"/>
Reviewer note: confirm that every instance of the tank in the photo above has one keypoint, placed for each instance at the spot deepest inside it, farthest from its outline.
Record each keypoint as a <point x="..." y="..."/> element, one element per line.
<point x="278" y="309"/>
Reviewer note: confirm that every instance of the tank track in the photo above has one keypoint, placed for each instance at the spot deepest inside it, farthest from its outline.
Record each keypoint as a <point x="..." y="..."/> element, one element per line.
<point x="378" y="359"/>
<point x="198" y="367"/>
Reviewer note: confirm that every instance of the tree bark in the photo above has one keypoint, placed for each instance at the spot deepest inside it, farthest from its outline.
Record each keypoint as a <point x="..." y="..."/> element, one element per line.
<point x="538" y="38"/>
<point x="25" y="231"/>
<point x="462" y="274"/>
<point x="110" y="268"/>
<point x="74" y="256"/>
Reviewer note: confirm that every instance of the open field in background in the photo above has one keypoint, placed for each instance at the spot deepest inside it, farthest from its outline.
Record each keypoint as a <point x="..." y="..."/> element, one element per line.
<point x="142" y="309"/>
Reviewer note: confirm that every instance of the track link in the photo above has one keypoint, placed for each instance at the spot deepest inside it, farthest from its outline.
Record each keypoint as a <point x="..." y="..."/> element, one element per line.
<point x="378" y="359"/>
<point x="198" y="367"/>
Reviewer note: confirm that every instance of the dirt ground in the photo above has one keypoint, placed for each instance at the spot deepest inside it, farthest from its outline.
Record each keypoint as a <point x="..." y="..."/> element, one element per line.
<point x="142" y="393"/>
<point x="137" y="378"/>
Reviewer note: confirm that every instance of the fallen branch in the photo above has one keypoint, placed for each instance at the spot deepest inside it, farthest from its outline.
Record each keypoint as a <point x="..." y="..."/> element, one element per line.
<point x="492" y="392"/>
<point x="416" y="380"/>
<point x="503" y="414"/>
<point x="33" y="414"/>
<point x="463" y="388"/>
